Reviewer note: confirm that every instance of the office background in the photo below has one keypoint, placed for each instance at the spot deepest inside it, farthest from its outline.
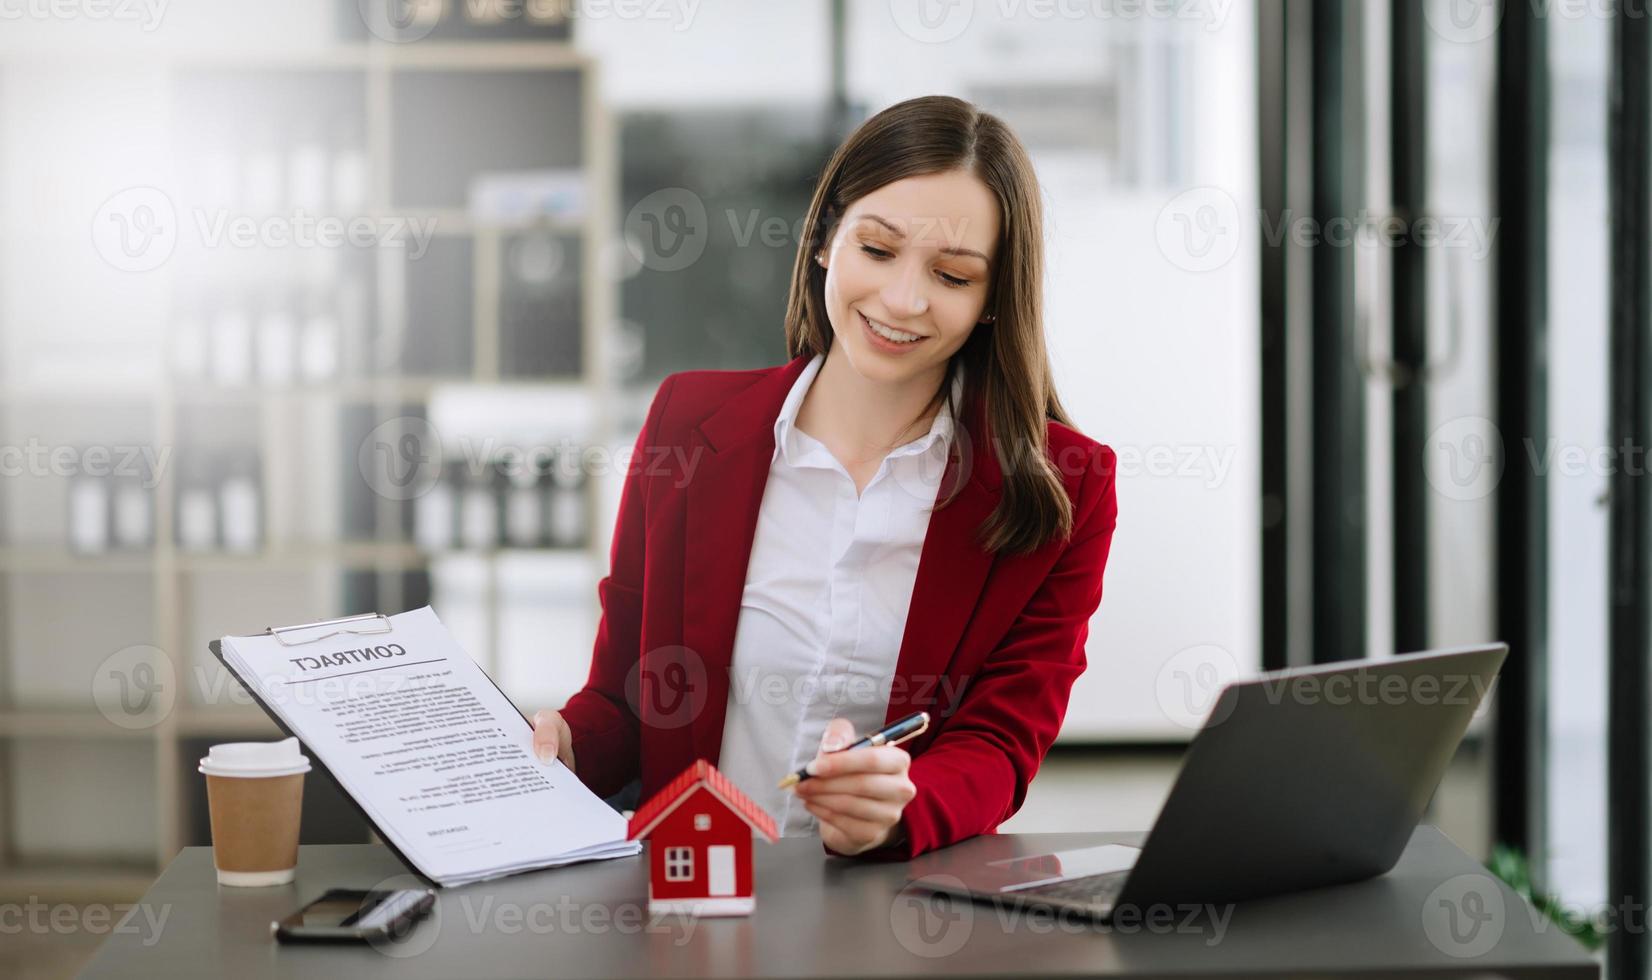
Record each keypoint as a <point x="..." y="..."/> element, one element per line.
<point x="287" y="294"/>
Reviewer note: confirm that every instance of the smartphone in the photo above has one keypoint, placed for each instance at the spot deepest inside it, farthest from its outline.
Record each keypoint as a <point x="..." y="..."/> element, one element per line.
<point x="347" y="916"/>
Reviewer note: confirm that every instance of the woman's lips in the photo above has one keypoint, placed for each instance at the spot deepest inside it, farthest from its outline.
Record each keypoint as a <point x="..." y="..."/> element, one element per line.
<point x="882" y="343"/>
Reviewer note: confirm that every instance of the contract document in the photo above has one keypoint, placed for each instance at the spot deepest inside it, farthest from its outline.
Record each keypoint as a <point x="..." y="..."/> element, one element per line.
<point x="432" y="751"/>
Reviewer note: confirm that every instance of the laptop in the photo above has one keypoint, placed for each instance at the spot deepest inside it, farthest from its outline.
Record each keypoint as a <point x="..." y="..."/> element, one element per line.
<point x="1299" y="778"/>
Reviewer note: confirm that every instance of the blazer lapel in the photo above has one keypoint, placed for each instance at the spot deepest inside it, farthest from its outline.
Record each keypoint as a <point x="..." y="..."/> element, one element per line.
<point x="951" y="572"/>
<point x="736" y="447"/>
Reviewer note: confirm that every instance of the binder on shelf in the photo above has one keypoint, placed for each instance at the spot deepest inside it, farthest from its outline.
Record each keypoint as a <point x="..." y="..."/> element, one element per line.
<point x="589" y="816"/>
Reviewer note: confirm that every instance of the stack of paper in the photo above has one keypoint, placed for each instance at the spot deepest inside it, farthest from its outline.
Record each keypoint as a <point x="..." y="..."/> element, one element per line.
<point x="432" y="751"/>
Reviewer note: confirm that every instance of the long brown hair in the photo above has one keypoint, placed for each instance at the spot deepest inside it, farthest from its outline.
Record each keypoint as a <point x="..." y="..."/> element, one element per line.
<point x="1006" y="366"/>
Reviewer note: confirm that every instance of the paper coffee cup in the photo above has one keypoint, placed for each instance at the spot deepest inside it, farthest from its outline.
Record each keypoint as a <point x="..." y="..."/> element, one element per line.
<point x="255" y="791"/>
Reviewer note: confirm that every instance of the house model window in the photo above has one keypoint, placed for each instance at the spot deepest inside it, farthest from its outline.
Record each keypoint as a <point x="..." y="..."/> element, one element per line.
<point x="679" y="864"/>
<point x="702" y="821"/>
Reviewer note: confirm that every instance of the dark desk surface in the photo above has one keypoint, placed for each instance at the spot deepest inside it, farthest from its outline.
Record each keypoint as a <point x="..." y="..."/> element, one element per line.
<point x="1438" y="913"/>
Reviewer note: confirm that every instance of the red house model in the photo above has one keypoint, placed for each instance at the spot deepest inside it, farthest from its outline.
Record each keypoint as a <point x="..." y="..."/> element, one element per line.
<point x="699" y="852"/>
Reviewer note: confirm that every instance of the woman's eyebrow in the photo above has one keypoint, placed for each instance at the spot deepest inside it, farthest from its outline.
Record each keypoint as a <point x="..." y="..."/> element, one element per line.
<point x="947" y="249"/>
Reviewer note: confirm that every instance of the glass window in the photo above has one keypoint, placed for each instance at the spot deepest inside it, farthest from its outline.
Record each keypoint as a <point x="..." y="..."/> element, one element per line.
<point x="1142" y="127"/>
<point x="1578" y="265"/>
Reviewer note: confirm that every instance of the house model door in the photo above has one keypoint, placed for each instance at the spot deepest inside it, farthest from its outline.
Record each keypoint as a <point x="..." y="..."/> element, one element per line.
<point x="720" y="861"/>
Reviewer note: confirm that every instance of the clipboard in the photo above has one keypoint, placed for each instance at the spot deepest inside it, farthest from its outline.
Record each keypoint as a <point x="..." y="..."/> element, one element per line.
<point x="365" y="624"/>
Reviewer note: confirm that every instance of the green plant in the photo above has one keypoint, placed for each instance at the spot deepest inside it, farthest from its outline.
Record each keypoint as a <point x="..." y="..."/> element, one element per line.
<point x="1511" y="865"/>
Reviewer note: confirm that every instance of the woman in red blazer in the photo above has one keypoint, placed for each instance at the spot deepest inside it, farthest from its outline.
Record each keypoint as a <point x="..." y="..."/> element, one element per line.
<point x="922" y="259"/>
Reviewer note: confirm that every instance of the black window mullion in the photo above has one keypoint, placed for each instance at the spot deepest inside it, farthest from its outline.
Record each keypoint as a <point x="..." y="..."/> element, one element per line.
<point x="1629" y="541"/>
<point x="1521" y="338"/>
<point x="1338" y="392"/>
<point x="1408" y="156"/>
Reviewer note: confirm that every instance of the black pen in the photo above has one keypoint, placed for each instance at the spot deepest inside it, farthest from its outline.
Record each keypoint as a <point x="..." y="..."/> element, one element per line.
<point x="893" y="734"/>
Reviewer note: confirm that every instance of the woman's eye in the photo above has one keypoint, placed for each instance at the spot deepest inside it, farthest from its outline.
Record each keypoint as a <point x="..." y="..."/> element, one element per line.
<point x="878" y="253"/>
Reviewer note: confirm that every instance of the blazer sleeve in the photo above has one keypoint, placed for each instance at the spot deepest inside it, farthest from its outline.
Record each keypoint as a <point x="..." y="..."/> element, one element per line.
<point x="975" y="774"/>
<point x="606" y="731"/>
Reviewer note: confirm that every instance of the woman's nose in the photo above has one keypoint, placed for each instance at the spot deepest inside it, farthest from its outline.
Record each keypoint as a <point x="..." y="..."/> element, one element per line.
<point x="904" y="296"/>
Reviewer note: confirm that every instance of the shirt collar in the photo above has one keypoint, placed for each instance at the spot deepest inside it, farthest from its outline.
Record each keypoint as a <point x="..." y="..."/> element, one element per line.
<point x="940" y="433"/>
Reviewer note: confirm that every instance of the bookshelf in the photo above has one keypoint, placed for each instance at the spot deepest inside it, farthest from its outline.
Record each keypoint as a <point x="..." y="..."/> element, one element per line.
<point x="470" y="319"/>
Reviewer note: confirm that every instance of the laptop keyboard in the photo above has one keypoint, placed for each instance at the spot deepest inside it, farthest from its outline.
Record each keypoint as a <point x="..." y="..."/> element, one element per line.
<point x="1096" y="890"/>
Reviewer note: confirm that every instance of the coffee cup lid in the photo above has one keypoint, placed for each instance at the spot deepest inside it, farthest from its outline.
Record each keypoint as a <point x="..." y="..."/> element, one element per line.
<point x="255" y="759"/>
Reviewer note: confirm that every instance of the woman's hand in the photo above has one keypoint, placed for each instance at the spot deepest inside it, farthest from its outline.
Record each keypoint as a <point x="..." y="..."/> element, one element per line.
<point x="858" y="795"/>
<point x="552" y="739"/>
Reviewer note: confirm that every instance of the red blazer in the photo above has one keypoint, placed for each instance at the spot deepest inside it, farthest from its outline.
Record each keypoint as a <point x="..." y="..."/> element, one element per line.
<point x="991" y="649"/>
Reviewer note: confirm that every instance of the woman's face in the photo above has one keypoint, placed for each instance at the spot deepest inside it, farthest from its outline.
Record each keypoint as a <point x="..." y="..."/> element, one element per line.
<point x="913" y="257"/>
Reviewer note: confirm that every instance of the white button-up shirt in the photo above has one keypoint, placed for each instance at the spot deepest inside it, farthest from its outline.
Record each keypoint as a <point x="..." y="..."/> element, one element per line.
<point x="824" y="609"/>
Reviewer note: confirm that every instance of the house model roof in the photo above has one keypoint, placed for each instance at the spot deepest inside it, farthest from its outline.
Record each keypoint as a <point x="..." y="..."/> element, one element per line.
<point x="706" y="774"/>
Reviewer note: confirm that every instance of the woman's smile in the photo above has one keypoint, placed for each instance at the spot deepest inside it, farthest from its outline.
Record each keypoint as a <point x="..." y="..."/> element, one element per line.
<point x="886" y="338"/>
